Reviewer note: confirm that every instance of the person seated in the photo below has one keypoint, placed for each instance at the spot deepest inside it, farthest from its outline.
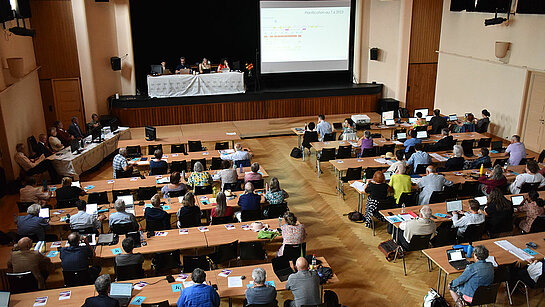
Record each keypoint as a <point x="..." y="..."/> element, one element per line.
<point x="31" y="225"/>
<point x="199" y="177"/>
<point x="260" y="293"/>
<point x="411" y="141"/>
<point x="483" y="123"/>
<point x="120" y="216"/>
<point x="128" y="258"/>
<point x="238" y="155"/>
<point x="419" y="157"/>
<point x="156" y="213"/>
<point x="483" y="159"/>
<point x="43" y="146"/>
<point x="542" y="171"/>
<point x="420" y="121"/>
<point x="400" y="160"/>
<point x="204" y="66"/>
<point x="200" y="294"/>
<point x="102" y="286"/>
<point x="456" y="162"/>
<point x="67" y="191"/>
<point x="227" y="174"/>
<point x="31" y="193"/>
<point x="377" y="190"/>
<point x="221" y="209"/>
<point x="165" y="70"/>
<point x="446" y="142"/>
<point x="365" y="142"/>
<point x="499" y="213"/>
<point x="532" y="175"/>
<point x="323" y="127"/>
<point x="292" y="232"/>
<point x="120" y="162"/>
<point x="496" y="180"/>
<point x="423" y="225"/>
<point x="515" y="151"/>
<point x="253" y="175"/>
<point x="174" y="186"/>
<point x="95" y="122"/>
<point x="533" y="207"/>
<point x="304" y="285"/>
<point x="34" y="166"/>
<point x="349" y="130"/>
<point x="223" y="65"/>
<point x="468" y="125"/>
<point x="430" y="183"/>
<point x="62" y="134"/>
<point x="189" y="215"/>
<point x="83" y="220"/>
<point x="54" y="143"/>
<point x="474" y="216"/>
<point x="528" y="274"/>
<point x="156" y="163"/>
<point x="400" y="182"/>
<point x="181" y="66"/>
<point x="309" y="136"/>
<point x="249" y="200"/>
<point x="24" y="259"/>
<point x="480" y="273"/>
<point x="438" y="123"/>
<point x="75" y="258"/>
<point x="275" y="195"/>
<point x="75" y="129"/>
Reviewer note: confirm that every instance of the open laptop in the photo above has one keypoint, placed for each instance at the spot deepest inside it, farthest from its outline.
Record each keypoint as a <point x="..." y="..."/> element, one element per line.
<point x="456" y="259"/>
<point x="401" y="136"/>
<point x="422" y="134"/>
<point x="453" y="117"/>
<point x="44" y="212"/>
<point x="185" y="71"/>
<point x="482" y="201"/>
<point x="412" y="120"/>
<point x="128" y="199"/>
<point x="122" y="292"/>
<point x="225" y="70"/>
<point x="91" y="209"/>
<point x="428" y="118"/>
<point x="497" y="146"/>
<point x="455" y="205"/>
<point x="390" y="122"/>
<point x="282" y="268"/>
<point x="517" y="200"/>
<point x="4" y="298"/>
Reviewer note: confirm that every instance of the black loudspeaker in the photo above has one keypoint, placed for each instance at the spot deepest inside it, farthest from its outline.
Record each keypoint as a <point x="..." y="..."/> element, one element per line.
<point x="6" y="12"/>
<point x="373" y="54"/>
<point x="388" y="104"/>
<point x="116" y="63"/>
<point x="23" y="9"/>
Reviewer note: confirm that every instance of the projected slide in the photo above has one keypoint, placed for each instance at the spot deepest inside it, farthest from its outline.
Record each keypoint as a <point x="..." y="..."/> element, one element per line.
<point x="298" y="36"/>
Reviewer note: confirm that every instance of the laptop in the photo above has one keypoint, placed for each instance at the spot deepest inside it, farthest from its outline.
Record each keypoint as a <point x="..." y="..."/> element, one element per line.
<point x="282" y="268"/>
<point x="422" y="134"/>
<point x="453" y="117"/>
<point x="135" y="235"/>
<point x="390" y="122"/>
<point x="428" y="118"/>
<point x="225" y="70"/>
<point x="122" y="292"/>
<point x="107" y="239"/>
<point x="133" y="152"/>
<point x="338" y="126"/>
<point x="517" y="200"/>
<point x="456" y="259"/>
<point x="455" y="205"/>
<point x="128" y="199"/>
<point x="185" y="71"/>
<point x="4" y="298"/>
<point x="482" y="200"/>
<point x="91" y="209"/>
<point x="44" y="212"/>
<point x="412" y="120"/>
<point x="497" y="146"/>
<point x="401" y="136"/>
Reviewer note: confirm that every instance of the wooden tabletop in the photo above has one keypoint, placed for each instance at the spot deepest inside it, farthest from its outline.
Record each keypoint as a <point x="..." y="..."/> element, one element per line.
<point x="169" y="158"/>
<point x="77" y="297"/>
<point x="231" y="201"/>
<point x="219" y="234"/>
<point x="183" y="139"/>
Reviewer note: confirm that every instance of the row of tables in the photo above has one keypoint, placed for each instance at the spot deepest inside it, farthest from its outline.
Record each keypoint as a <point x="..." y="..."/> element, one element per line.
<point x="176" y="140"/>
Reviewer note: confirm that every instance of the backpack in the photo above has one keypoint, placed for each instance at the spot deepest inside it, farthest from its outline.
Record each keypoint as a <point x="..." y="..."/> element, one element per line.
<point x="388" y="248"/>
<point x="434" y="299"/>
<point x="296" y="153"/>
<point x="355" y="216"/>
<point x="331" y="299"/>
<point x="325" y="273"/>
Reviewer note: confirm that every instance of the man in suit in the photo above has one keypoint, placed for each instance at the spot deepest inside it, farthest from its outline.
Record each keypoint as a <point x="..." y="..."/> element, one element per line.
<point x="43" y="146"/>
<point x="62" y="134"/>
<point x="102" y="285"/>
<point x="446" y="142"/>
<point x="75" y="130"/>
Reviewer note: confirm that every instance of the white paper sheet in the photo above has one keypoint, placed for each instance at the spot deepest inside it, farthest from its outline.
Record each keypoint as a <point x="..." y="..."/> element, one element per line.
<point x="358" y="185"/>
<point x="234" y="282"/>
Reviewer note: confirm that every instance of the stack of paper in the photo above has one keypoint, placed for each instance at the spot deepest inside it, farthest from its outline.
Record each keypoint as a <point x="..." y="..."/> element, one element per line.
<point x="508" y="246"/>
<point x="438" y="157"/>
<point x="358" y="185"/>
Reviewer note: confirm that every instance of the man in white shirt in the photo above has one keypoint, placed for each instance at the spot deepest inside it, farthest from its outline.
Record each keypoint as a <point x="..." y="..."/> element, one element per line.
<point x="238" y="155"/>
<point x="473" y="217"/>
<point x="532" y="175"/>
<point x="121" y="216"/>
<point x="84" y="220"/>
<point x="323" y="127"/>
<point x="422" y="225"/>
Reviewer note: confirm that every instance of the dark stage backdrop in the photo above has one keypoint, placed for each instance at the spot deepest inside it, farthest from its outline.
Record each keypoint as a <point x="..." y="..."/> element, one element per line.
<point x="165" y="30"/>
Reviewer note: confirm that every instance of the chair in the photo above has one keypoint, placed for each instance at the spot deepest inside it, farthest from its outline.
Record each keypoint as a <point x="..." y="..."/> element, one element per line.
<point x="179" y="193"/>
<point x="538" y="225"/>
<point x="194" y="146"/>
<point x="66" y="203"/>
<point x="128" y="272"/>
<point x="178" y="166"/>
<point x="77" y="278"/>
<point x="541" y="156"/>
<point x="451" y="192"/>
<point x="470" y="189"/>
<point x="484" y="143"/>
<point x="99" y="198"/>
<point x="421" y="169"/>
<point x="119" y="173"/>
<point x="540" y="284"/>
<point x="250" y="215"/>
<point x="154" y="225"/>
<point x="226" y="253"/>
<point x="369" y="152"/>
<point x="134" y="151"/>
<point x="387" y="148"/>
<point x="383" y="204"/>
<point x="252" y="251"/>
<point x="409" y="199"/>
<point x="258" y="184"/>
<point x="502" y="273"/>
<point x="216" y="163"/>
<point x="330" y="137"/>
<point x="193" y="262"/>
<point x="145" y="193"/>
<point x="276" y="211"/>
<point x="123" y="228"/>
<point x="467" y="145"/>
<point x="117" y="193"/>
<point x="244" y="163"/>
<point x="352" y="173"/>
<point x="500" y="161"/>
<point x="344" y="152"/>
<point x="86" y="231"/>
<point x="23" y="206"/>
<point x="153" y="148"/>
<point x="193" y="161"/>
<point x="177" y="148"/>
<point x="438" y="197"/>
<point x="473" y="233"/>
<point x="484" y="295"/>
<point x="527" y="187"/>
<point x="233" y="186"/>
<point x="22" y="282"/>
<point x="159" y="304"/>
<point x="221" y="146"/>
<point x="159" y="170"/>
<point x="166" y="261"/>
<point x="418" y="243"/>
<point x="376" y="135"/>
<point x="294" y="251"/>
<point x="203" y="190"/>
<point x="221" y="220"/>
<point x="326" y="155"/>
<point x="310" y="137"/>
<point x="370" y="172"/>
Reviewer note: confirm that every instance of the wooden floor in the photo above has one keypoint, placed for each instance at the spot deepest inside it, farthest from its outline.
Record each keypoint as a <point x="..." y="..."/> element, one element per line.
<point x="366" y="278"/>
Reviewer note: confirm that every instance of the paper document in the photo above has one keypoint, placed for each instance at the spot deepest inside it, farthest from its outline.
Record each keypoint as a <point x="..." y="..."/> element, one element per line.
<point x="231" y="133"/>
<point x="358" y="185"/>
<point x="438" y="157"/>
<point x="163" y="180"/>
<point x="393" y="219"/>
<point x="234" y="282"/>
<point x="517" y="252"/>
<point x="415" y="180"/>
<point x="405" y="217"/>
<point x="188" y="284"/>
<point x="398" y="143"/>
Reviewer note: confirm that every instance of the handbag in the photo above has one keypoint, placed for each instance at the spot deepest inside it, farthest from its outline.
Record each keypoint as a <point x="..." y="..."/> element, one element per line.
<point x="296" y="153"/>
<point x="389" y="248"/>
<point x="355" y="216"/>
<point x="433" y="299"/>
<point x="265" y="234"/>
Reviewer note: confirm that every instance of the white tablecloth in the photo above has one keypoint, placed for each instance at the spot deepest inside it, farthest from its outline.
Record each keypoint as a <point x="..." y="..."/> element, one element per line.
<point x="68" y="164"/>
<point x="195" y="85"/>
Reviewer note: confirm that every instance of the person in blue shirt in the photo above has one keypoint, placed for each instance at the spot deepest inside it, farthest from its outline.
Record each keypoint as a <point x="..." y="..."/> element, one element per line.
<point x="419" y="157"/>
<point x="249" y="200"/>
<point x="31" y="225"/>
<point x="156" y="213"/>
<point x="156" y="164"/>
<point x="200" y="294"/>
<point x="480" y="273"/>
<point x="483" y="159"/>
<point x="412" y="141"/>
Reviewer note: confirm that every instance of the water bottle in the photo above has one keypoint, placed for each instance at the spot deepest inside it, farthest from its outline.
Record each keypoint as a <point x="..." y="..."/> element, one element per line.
<point x="481" y="171"/>
<point x="214" y="191"/>
<point x="279" y="222"/>
<point x="305" y="126"/>
<point x="266" y="187"/>
<point x="403" y="208"/>
<point x="241" y="171"/>
<point x="142" y="238"/>
<point x="313" y="266"/>
<point x="470" y="250"/>
<point x="168" y="200"/>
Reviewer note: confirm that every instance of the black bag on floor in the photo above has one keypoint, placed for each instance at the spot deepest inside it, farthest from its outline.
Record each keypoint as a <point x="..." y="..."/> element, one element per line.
<point x="331" y="299"/>
<point x="296" y="153"/>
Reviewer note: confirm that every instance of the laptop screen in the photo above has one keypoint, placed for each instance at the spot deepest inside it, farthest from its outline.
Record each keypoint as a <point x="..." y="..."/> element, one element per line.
<point x="44" y="212"/>
<point x="517" y="200"/>
<point x="121" y="289"/>
<point x="428" y="118"/>
<point x="91" y="209"/>
<point x="4" y="299"/>
<point x="454" y="205"/>
<point x="401" y="136"/>
<point x="453" y="117"/>
<point x="127" y="199"/>
<point x="390" y="122"/>
<point x="421" y="134"/>
<point x="412" y="120"/>
<point x="455" y="255"/>
<point x="423" y="111"/>
<point x="496" y="145"/>
<point x="387" y="115"/>
<point x="482" y="200"/>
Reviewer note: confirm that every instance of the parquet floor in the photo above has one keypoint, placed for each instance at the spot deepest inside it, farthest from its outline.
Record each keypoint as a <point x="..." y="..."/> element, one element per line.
<point x="366" y="278"/>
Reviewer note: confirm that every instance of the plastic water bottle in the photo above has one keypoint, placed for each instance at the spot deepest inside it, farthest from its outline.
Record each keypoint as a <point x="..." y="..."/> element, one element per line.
<point x="481" y="171"/>
<point x="403" y="208"/>
<point x="241" y="171"/>
<point x="142" y="238"/>
<point x="313" y="262"/>
<point x="279" y="222"/>
<point x="168" y="200"/>
<point x="470" y="250"/>
<point x="214" y="191"/>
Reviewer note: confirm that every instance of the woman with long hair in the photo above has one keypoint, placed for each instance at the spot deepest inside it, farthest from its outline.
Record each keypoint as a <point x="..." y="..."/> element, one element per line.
<point x="221" y="209"/>
<point x="496" y="180"/>
<point x="499" y="212"/>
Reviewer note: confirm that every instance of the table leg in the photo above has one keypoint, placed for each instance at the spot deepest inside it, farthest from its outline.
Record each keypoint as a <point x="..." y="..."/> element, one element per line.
<point x="233" y="144"/>
<point x="230" y="302"/>
<point x="445" y="284"/>
<point x="439" y="281"/>
<point x="299" y="141"/>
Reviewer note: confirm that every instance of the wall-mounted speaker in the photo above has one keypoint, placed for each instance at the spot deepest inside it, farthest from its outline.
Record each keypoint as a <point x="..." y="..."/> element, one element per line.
<point x="373" y="54"/>
<point x="6" y="13"/>
<point x="115" y="62"/>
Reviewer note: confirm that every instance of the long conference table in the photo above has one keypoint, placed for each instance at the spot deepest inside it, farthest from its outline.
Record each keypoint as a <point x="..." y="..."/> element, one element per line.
<point x="195" y="85"/>
<point x="176" y="140"/>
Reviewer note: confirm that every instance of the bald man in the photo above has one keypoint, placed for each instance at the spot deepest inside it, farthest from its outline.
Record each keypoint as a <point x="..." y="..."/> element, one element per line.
<point x="23" y="259"/>
<point x="305" y="286"/>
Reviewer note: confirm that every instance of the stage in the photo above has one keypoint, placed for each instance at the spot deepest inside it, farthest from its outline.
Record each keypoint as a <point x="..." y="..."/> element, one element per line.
<point x="136" y="111"/>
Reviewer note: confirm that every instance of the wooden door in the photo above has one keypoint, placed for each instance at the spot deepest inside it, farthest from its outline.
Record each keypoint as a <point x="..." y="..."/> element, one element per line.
<point x="68" y="100"/>
<point x="534" y="119"/>
<point x="421" y="87"/>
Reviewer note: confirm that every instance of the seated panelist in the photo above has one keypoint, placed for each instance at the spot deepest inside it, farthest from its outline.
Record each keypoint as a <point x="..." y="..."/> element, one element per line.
<point x="204" y="66"/>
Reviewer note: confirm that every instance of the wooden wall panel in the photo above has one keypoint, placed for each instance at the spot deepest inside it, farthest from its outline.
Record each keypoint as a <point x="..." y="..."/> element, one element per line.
<point x="425" y="31"/>
<point x="421" y="86"/>
<point x="233" y="111"/>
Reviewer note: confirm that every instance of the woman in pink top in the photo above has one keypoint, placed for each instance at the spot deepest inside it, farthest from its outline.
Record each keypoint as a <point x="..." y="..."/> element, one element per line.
<point x="253" y="175"/>
<point x="533" y="206"/>
<point x="292" y="232"/>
